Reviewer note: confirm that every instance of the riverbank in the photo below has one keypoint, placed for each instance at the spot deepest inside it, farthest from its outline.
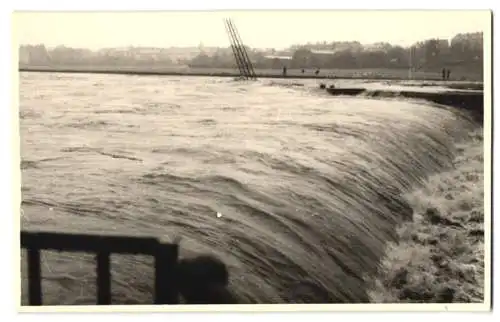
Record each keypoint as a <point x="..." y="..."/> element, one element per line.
<point x="366" y="74"/>
<point x="440" y="254"/>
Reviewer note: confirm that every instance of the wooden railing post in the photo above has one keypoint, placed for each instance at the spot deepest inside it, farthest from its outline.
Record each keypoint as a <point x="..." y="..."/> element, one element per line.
<point x="34" y="277"/>
<point x="166" y="287"/>
<point x="103" y="271"/>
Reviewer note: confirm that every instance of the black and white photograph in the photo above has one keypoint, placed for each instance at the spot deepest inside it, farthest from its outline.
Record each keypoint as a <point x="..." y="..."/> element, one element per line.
<point x="253" y="157"/>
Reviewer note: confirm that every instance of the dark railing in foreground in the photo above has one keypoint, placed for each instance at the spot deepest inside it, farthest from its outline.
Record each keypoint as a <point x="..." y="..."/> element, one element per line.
<point x="165" y="255"/>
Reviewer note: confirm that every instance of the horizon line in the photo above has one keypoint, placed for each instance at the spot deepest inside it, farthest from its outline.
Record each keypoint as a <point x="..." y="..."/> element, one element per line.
<point x="317" y="42"/>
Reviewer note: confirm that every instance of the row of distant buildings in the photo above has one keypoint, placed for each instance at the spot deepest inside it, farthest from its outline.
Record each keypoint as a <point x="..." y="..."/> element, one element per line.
<point x="472" y="41"/>
<point x="39" y="54"/>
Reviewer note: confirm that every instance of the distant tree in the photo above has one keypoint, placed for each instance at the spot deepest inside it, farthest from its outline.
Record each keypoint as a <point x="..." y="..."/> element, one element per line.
<point x="202" y="60"/>
<point x="301" y="58"/>
<point x="36" y="54"/>
<point x="343" y="59"/>
<point x="373" y="59"/>
<point x="398" y="57"/>
<point x="432" y="53"/>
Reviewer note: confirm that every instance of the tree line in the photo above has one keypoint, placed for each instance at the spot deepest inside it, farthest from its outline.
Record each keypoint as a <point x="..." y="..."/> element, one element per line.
<point x="464" y="50"/>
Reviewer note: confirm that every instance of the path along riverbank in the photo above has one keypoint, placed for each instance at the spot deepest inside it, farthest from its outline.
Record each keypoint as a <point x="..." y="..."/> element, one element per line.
<point x="358" y="74"/>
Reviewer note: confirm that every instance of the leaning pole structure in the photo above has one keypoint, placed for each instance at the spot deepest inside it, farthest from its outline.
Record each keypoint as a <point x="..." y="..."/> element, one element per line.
<point x="241" y="57"/>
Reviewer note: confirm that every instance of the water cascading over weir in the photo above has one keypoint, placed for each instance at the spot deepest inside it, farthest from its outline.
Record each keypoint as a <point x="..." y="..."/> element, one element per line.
<point x="241" y="57"/>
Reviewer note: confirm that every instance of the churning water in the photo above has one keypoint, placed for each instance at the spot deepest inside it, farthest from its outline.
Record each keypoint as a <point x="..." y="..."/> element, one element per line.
<point x="308" y="185"/>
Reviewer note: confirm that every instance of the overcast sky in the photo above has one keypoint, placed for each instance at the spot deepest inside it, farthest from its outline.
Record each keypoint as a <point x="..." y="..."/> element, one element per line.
<point x="262" y="29"/>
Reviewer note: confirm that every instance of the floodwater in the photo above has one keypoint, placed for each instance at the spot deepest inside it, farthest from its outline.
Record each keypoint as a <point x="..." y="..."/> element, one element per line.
<point x="309" y="186"/>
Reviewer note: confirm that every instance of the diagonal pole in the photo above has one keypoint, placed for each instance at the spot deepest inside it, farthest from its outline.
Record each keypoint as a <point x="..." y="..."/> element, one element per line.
<point x="238" y="59"/>
<point x="249" y="63"/>
<point x="239" y="49"/>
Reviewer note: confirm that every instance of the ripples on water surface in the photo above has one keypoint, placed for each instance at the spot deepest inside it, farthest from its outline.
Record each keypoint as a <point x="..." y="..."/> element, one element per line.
<point x="307" y="184"/>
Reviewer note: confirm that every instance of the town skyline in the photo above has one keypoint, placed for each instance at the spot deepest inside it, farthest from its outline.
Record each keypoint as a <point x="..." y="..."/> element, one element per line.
<point x="464" y="51"/>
